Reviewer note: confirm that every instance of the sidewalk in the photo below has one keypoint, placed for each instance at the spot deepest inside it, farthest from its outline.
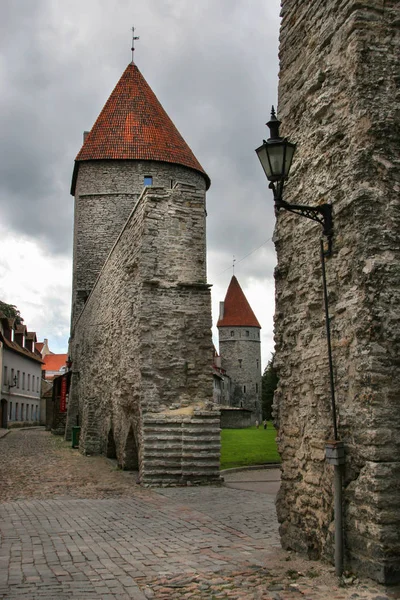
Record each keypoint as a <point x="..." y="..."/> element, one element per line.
<point x="263" y="480"/>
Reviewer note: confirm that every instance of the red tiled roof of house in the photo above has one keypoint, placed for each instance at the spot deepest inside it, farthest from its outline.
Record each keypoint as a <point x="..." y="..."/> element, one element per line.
<point x="237" y="311"/>
<point x="39" y="346"/>
<point x="134" y="126"/>
<point x="54" y="362"/>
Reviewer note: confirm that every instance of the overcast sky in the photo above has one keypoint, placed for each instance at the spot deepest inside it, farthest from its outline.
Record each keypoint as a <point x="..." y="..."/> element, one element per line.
<point x="213" y="65"/>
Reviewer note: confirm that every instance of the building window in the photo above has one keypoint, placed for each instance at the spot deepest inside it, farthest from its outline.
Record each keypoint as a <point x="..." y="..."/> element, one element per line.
<point x="258" y="363"/>
<point x="12" y="377"/>
<point x="18" y="379"/>
<point x="22" y="412"/>
<point x="247" y="333"/>
<point x="33" y="383"/>
<point x="257" y="388"/>
<point x="148" y="180"/>
<point x="244" y="389"/>
<point x="23" y="381"/>
<point x="258" y="334"/>
<point x="16" y="411"/>
<point x="240" y="362"/>
<point x="232" y="334"/>
<point x="31" y="412"/>
<point x="10" y="417"/>
<point x="29" y="382"/>
<point x="37" y="384"/>
<point x="5" y="376"/>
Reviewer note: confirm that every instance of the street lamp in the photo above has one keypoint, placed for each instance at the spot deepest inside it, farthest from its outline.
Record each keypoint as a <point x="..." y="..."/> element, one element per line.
<point x="276" y="155"/>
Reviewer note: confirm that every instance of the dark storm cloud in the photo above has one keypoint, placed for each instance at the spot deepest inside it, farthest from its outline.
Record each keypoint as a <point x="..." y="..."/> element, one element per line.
<point x="212" y="64"/>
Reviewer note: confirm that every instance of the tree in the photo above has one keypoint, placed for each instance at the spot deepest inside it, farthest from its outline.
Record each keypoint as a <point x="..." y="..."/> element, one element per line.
<point x="10" y="311"/>
<point x="269" y="384"/>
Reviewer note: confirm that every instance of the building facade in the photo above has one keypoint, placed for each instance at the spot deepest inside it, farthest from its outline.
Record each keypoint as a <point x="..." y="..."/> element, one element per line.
<point x="21" y="374"/>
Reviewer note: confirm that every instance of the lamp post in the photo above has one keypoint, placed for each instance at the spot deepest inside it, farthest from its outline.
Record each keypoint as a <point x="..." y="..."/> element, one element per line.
<point x="13" y="384"/>
<point x="276" y="155"/>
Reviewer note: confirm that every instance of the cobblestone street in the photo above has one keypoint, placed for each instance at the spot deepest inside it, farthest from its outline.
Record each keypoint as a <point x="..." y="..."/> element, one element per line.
<point x="76" y="527"/>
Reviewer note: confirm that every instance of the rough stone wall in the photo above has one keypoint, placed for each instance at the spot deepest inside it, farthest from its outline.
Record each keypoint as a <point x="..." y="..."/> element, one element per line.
<point x="241" y="358"/>
<point x="235" y="418"/>
<point x="339" y="100"/>
<point x="142" y="344"/>
<point x="106" y="192"/>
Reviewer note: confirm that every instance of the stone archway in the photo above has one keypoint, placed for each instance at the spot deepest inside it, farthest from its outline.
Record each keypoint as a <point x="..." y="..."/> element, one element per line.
<point x="131" y="458"/>
<point x="111" y="451"/>
<point x="3" y="413"/>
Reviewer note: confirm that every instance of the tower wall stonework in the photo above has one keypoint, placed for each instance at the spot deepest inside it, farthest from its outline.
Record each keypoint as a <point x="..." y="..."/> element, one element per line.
<point x="141" y="347"/>
<point x="106" y="192"/>
<point x="241" y="358"/>
<point x="339" y="100"/>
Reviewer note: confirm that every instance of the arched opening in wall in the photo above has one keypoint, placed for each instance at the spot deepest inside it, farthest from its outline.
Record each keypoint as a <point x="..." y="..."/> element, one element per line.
<point x="3" y="413"/>
<point x="131" y="458"/>
<point x="111" y="451"/>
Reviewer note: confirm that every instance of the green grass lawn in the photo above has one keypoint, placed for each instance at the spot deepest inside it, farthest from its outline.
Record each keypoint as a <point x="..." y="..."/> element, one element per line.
<point x="244" y="447"/>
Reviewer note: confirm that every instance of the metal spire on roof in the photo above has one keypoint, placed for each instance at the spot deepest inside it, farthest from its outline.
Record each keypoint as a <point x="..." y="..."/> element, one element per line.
<point x="134" y="37"/>
<point x="233" y="265"/>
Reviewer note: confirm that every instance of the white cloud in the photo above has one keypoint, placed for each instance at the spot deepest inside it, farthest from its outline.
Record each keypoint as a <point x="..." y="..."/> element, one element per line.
<point x="39" y="285"/>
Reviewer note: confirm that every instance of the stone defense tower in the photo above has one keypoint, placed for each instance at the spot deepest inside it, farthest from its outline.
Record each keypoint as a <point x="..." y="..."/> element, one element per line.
<point x="132" y="144"/>
<point x="240" y="348"/>
<point x="339" y="101"/>
<point x="141" y="314"/>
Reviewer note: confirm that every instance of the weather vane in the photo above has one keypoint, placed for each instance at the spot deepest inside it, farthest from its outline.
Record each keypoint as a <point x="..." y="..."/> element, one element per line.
<point x="233" y="265"/>
<point x="134" y="37"/>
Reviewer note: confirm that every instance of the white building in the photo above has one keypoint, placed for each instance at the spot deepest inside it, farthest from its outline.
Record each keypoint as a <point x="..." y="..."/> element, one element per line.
<point x="21" y="374"/>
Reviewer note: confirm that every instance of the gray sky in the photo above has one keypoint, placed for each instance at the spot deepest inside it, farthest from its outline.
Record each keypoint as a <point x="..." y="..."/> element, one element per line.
<point x="212" y="64"/>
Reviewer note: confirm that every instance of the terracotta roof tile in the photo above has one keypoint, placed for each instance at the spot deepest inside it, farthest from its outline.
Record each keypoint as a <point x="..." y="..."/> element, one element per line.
<point x="54" y="362"/>
<point x="237" y="311"/>
<point x="134" y="125"/>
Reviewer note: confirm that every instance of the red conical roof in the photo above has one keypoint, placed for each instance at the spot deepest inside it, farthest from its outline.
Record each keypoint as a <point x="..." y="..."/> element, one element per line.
<point x="237" y="311"/>
<point x="134" y="126"/>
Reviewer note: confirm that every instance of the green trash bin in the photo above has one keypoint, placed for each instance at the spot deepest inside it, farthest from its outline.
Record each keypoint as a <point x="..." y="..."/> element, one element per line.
<point x="75" y="436"/>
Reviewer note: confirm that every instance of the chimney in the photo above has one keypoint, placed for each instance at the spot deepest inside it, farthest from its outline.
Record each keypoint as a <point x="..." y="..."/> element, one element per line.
<point x="45" y="349"/>
<point x="221" y="310"/>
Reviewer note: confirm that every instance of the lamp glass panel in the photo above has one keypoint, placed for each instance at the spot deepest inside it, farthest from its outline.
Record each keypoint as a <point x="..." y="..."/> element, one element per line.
<point x="276" y="157"/>
<point x="290" y="148"/>
<point x="263" y="157"/>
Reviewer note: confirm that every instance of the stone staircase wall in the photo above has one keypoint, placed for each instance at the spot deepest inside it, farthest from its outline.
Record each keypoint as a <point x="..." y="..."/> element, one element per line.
<point x="180" y="449"/>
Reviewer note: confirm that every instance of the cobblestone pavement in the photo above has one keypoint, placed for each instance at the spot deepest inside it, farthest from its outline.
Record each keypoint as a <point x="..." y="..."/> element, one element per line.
<point x="75" y="527"/>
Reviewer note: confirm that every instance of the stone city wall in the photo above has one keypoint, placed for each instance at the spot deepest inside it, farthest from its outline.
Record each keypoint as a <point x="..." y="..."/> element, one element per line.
<point x="142" y="344"/>
<point x="339" y="100"/>
<point x="105" y="194"/>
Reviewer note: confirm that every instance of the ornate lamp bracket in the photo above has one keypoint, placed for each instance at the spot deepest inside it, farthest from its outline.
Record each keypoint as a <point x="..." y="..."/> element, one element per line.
<point x="322" y="214"/>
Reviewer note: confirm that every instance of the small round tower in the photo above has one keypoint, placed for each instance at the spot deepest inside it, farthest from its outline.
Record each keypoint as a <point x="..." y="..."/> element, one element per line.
<point x="133" y="144"/>
<point x="240" y="348"/>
